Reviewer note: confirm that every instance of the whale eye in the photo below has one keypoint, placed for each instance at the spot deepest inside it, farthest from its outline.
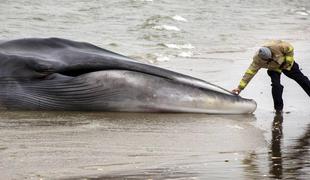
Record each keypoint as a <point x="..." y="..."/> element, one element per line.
<point x="42" y="67"/>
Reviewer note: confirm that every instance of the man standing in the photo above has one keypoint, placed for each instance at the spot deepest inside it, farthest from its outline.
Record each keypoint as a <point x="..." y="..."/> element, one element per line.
<point x="276" y="56"/>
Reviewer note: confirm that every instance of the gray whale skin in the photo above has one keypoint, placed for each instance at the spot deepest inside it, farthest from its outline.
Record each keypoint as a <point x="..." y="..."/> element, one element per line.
<point x="65" y="75"/>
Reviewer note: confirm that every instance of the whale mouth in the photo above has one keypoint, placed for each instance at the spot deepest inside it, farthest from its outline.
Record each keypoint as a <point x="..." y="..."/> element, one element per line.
<point x="187" y="80"/>
<point x="77" y="72"/>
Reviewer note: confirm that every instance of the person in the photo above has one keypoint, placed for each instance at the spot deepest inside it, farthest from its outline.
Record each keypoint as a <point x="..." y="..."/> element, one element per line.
<point x="277" y="57"/>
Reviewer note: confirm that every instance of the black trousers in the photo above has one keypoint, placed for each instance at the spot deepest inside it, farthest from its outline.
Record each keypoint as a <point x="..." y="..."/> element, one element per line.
<point x="277" y="88"/>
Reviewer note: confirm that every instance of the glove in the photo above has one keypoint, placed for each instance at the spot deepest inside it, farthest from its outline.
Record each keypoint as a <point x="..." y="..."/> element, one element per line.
<point x="236" y="91"/>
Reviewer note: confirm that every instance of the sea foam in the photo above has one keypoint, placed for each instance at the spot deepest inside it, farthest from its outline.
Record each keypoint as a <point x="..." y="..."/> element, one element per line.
<point x="303" y="13"/>
<point x="166" y="27"/>
<point x="179" y="46"/>
<point x="162" y="58"/>
<point x="144" y="0"/>
<point x="186" y="54"/>
<point x="179" y="18"/>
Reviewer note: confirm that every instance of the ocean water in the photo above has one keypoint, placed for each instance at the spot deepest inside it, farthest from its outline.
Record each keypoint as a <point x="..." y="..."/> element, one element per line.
<point x="209" y="39"/>
<point x="159" y="29"/>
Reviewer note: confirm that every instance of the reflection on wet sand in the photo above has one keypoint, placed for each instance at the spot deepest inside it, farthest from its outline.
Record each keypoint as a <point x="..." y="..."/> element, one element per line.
<point x="285" y="162"/>
<point x="291" y="162"/>
<point x="275" y="156"/>
<point x="251" y="166"/>
<point x="298" y="157"/>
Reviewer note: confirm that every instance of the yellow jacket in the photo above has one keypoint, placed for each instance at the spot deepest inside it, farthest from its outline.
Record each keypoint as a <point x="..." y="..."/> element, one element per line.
<point x="282" y="58"/>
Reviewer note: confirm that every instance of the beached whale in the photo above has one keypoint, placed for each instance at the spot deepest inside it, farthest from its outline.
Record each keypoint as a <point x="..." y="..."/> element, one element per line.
<point x="59" y="74"/>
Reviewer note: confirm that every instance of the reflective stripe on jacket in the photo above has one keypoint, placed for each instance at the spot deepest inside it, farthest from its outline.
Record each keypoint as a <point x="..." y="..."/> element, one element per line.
<point x="282" y="58"/>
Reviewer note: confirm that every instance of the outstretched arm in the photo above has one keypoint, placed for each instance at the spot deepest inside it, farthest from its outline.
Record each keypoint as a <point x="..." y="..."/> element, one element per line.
<point x="248" y="75"/>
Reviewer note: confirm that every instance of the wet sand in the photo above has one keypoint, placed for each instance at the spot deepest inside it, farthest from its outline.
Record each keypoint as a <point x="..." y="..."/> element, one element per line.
<point x="70" y="145"/>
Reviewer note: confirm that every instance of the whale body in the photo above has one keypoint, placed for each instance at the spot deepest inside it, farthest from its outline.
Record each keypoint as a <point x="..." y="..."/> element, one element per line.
<point x="60" y="74"/>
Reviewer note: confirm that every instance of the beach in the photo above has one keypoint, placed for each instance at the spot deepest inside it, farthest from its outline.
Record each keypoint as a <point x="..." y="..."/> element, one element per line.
<point x="211" y="40"/>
